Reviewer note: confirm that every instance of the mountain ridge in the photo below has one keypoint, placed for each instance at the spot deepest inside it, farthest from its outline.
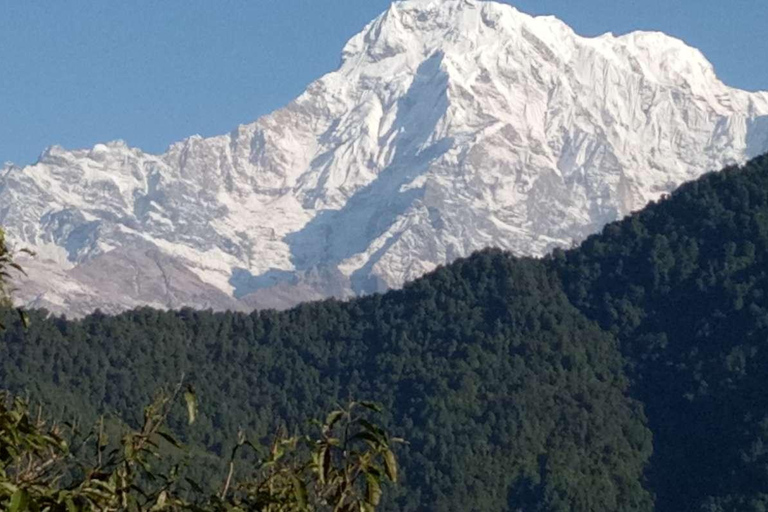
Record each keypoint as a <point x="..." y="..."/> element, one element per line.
<point x="449" y="127"/>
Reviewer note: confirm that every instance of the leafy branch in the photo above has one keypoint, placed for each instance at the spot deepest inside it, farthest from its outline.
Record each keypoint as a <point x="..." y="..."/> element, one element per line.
<point x="341" y="468"/>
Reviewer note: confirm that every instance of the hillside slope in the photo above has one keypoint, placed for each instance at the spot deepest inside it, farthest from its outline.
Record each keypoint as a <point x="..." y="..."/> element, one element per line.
<point x="684" y="287"/>
<point x="508" y="397"/>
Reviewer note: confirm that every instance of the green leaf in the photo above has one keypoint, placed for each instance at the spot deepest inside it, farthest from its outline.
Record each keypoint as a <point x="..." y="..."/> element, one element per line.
<point x="372" y="489"/>
<point x="191" y="399"/>
<point x="333" y="418"/>
<point x="9" y="487"/>
<point x="325" y="463"/>
<point x="128" y="449"/>
<point x="368" y="437"/>
<point x="168" y="437"/>
<point x="300" y="492"/>
<point x="195" y="486"/>
<point x="372" y="406"/>
<point x="24" y="317"/>
<point x="19" y="501"/>
<point x="370" y="427"/>
<point x="161" y="500"/>
<point x="277" y="452"/>
<point x="390" y="465"/>
<point x="107" y="486"/>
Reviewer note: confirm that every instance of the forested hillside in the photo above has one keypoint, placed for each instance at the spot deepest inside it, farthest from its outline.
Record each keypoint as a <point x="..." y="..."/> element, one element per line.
<point x="506" y="394"/>
<point x="625" y="374"/>
<point x="683" y="285"/>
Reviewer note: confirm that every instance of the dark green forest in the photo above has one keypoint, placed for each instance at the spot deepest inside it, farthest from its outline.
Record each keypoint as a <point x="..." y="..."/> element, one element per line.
<point x="626" y="374"/>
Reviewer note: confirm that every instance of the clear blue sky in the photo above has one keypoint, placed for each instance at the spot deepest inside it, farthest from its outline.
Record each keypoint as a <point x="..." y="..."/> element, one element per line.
<point x="75" y="72"/>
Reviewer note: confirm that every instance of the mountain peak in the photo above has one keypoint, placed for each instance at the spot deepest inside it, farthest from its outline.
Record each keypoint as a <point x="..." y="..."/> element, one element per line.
<point x="450" y="126"/>
<point x="411" y="25"/>
<point x="412" y="30"/>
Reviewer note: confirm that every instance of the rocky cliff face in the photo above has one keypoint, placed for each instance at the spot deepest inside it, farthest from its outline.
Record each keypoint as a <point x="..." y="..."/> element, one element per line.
<point x="449" y="126"/>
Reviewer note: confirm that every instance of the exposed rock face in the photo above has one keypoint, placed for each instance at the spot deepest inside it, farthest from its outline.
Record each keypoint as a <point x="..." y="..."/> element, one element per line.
<point x="449" y="126"/>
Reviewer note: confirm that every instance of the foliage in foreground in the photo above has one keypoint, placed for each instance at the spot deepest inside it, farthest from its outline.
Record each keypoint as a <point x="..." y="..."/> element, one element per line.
<point x="7" y="268"/>
<point x="45" y="467"/>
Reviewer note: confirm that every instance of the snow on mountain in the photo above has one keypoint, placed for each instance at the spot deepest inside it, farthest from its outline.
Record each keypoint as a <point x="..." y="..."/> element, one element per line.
<point x="449" y="126"/>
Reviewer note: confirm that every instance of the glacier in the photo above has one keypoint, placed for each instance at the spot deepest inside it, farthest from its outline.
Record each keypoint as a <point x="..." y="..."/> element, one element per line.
<point x="449" y="126"/>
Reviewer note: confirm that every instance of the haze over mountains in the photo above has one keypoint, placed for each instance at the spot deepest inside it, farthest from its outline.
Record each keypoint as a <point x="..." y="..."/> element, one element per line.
<point x="449" y="126"/>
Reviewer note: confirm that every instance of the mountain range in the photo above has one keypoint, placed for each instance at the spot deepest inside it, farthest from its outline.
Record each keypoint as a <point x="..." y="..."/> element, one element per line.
<point x="448" y="127"/>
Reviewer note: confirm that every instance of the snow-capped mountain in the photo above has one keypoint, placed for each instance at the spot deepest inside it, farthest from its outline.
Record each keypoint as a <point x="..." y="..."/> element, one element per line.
<point x="448" y="127"/>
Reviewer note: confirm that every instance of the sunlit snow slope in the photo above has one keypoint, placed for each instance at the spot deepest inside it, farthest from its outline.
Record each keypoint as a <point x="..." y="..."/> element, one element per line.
<point x="449" y="126"/>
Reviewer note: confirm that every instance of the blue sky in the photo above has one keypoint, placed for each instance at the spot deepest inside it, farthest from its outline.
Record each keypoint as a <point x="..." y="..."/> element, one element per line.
<point x="76" y="72"/>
